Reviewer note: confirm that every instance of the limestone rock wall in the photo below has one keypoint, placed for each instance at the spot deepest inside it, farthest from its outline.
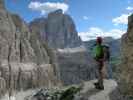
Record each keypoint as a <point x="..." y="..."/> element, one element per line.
<point x="25" y="60"/>
<point x="127" y="60"/>
<point x="76" y="65"/>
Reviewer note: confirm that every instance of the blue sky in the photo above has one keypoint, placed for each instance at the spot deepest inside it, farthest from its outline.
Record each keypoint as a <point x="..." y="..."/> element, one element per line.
<point x="92" y="17"/>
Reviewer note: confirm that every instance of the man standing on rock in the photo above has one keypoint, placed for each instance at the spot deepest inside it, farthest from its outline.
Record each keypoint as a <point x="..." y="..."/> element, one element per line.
<point x="99" y="57"/>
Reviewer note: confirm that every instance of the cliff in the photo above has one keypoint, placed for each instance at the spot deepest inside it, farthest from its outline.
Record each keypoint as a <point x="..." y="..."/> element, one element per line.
<point x="126" y="82"/>
<point x="24" y="58"/>
<point x="76" y="65"/>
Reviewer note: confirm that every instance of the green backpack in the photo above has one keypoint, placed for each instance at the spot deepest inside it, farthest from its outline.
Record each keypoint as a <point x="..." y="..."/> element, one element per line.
<point x="98" y="52"/>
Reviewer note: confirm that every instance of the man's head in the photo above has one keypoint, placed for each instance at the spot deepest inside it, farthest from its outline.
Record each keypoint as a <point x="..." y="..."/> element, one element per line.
<point x="99" y="40"/>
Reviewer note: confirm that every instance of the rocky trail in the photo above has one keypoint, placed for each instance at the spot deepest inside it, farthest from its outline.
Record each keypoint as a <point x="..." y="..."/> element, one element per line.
<point x="88" y="92"/>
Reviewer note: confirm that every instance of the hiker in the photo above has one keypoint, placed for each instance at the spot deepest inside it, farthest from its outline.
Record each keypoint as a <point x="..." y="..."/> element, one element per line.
<point x="99" y="57"/>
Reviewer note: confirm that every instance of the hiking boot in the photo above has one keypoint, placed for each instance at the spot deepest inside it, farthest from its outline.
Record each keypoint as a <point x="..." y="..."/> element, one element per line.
<point x="98" y="86"/>
<point x="97" y="83"/>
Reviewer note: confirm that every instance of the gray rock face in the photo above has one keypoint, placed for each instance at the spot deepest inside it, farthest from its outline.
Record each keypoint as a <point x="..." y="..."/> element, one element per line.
<point x="127" y="61"/>
<point x="58" y="30"/>
<point x="2" y="86"/>
<point x="24" y="58"/>
<point x="76" y="65"/>
<point x="28" y="75"/>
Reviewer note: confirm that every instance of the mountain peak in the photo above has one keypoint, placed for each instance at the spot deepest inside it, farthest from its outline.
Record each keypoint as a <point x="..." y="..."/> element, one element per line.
<point x="57" y="29"/>
<point x="58" y="11"/>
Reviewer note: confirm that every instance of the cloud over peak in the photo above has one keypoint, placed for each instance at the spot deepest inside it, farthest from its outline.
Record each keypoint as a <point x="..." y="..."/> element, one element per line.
<point x="47" y="7"/>
<point x="129" y="8"/>
<point x="123" y="19"/>
<point x="94" y="32"/>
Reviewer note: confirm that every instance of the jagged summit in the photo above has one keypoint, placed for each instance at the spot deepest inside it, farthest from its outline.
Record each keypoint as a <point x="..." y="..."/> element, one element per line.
<point x="58" y="11"/>
<point x="57" y="29"/>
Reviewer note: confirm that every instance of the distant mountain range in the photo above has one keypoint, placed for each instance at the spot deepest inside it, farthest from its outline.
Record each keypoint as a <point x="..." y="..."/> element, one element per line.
<point x="114" y="44"/>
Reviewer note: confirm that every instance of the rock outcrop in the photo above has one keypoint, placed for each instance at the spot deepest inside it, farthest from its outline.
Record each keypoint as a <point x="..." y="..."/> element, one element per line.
<point x="57" y="29"/>
<point x="24" y="58"/>
<point x="126" y="74"/>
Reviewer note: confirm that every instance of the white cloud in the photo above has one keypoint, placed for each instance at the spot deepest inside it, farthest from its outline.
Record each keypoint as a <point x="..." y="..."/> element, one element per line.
<point x="129" y="8"/>
<point x="47" y="7"/>
<point x="123" y="19"/>
<point x="94" y="32"/>
<point x="85" y="17"/>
